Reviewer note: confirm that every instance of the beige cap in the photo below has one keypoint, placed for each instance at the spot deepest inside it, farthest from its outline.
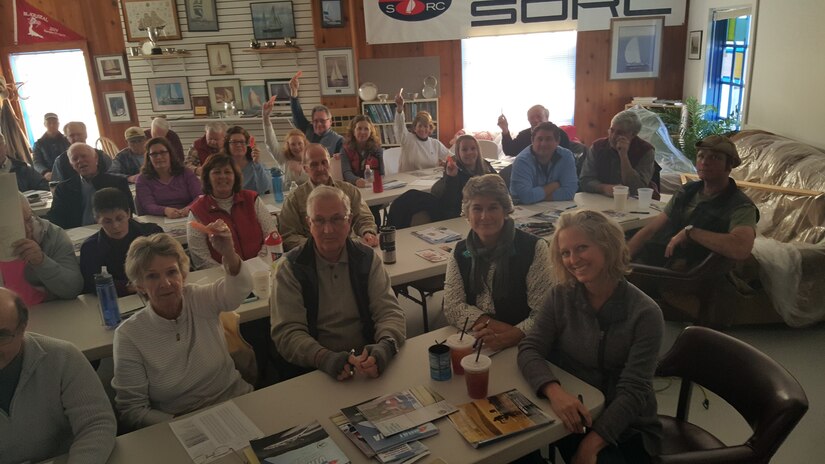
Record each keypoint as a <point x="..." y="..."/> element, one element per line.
<point x="721" y="144"/>
<point x="134" y="133"/>
<point x="48" y="116"/>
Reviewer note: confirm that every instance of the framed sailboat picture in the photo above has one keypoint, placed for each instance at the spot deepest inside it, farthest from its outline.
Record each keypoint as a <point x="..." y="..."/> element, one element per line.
<point x="272" y="20"/>
<point x="636" y="47"/>
<point x="337" y="74"/>
<point x="169" y="94"/>
<point x="219" y="56"/>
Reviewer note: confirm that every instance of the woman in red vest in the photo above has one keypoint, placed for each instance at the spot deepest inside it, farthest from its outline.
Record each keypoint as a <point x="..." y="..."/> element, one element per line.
<point x="362" y="147"/>
<point x="242" y="210"/>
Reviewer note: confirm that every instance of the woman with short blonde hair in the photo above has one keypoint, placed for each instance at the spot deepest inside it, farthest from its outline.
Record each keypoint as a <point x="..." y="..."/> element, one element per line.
<point x="171" y="357"/>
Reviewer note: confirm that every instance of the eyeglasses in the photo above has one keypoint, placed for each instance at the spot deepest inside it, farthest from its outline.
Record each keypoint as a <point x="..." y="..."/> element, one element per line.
<point x="320" y="121"/>
<point x="6" y="338"/>
<point x="155" y="154"/>
<point x="237" y="142"/>
<point x="334" y="221"/>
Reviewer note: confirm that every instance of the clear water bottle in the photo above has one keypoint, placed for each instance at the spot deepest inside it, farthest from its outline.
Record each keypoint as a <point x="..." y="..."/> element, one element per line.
<point x="107" y="298"/>
<point x="293" y="186"/>
<point x="277" y="184"/>
<point x="368" y="176"/>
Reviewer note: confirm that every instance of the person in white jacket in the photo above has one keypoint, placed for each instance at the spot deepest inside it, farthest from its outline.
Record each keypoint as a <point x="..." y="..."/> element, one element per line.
<point x="290" y="156"/>
<point x="418" y="150"/>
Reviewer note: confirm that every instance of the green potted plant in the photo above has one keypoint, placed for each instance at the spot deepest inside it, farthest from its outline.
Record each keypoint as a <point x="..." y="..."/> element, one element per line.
<point x="700" y="123"/>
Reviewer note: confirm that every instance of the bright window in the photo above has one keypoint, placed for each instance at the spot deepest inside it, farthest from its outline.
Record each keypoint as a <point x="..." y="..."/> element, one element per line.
<point x="54" y="82"/>
<point x="727" y="62"/>
<point x="511" y="73"/>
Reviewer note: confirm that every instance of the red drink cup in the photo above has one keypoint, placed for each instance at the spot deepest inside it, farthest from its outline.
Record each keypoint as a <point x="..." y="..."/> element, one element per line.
<point x="477" y="374"/>
<point x="459" y="347"/>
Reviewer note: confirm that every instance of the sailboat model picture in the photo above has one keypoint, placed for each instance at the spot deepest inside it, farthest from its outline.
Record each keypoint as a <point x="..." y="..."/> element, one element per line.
<point x="272" y="24"/>
<point x="633" y="56"/>
<point x="336" y="77"/>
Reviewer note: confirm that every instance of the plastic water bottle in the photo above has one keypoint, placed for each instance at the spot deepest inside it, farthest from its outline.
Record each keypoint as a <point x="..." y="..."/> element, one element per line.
<point x="293" y="186"/>
<point x="277" y="184"/>
<point x="274" y="245"/>
<point x="107" y="298"/>
<point x="368" y="176"/>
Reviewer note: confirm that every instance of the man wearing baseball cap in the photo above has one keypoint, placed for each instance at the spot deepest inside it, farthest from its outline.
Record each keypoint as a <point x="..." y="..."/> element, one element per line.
<point x="129" y="161"/>
<point x="711" y="214"/>
<point x="48" y="147"/>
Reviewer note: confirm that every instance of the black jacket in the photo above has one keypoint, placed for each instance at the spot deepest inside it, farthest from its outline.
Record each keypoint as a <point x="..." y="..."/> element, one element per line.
<point x="67" y="206"/>
<point x="27" y="177"/>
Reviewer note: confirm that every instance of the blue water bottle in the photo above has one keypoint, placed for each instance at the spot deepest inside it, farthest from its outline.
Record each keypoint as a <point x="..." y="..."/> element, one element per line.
<point x="107" y="298"/>
<point x="277" y="184"/>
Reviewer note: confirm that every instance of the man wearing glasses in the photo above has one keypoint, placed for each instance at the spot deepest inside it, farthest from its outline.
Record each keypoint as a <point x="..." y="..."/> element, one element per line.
<point x="293" y="224"/>
<point x="72" y="203"/>
<point x="333" y="307"/>
<point x="62" y="168"/>
<point x="51" y="400"/>
<point x="318" y="131"/>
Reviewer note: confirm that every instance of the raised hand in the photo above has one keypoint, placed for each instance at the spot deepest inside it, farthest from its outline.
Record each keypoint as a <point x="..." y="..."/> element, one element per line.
<point x="399" y="101"/>
<point x="294" y="84"/>
<point x="503" y="125"/>
<point x="267" y="107"/>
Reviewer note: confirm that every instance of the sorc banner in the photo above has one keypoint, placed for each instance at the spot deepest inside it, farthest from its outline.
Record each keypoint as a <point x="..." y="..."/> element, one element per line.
<point x="32" y="26"/>
<point x="396" y="21"/>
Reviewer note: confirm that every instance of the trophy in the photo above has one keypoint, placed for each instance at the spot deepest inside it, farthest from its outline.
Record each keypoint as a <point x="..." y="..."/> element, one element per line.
<point x="154" y="35"/>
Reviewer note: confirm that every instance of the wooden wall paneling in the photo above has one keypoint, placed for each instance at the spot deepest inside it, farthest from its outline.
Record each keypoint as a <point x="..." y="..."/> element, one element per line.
<point x="598" y="98"/>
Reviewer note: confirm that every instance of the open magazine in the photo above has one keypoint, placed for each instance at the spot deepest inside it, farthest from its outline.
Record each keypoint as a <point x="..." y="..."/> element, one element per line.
<point x="298" y="445"/>
<point x="397" y="412"/>
<point x="484" y="421"/>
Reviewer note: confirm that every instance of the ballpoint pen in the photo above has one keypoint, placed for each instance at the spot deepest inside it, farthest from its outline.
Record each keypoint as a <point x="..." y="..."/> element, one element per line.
<point x="581" y="416"/>
<point x="351" y="370"/>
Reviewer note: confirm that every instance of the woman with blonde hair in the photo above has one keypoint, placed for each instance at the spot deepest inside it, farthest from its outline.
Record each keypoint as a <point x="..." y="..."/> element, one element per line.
<point x="418" y="150"/>
<point x="361" y="148"/>
<point x="497" y="276"/>
<point x="290" y="154"/>
<point x="602" y="329"/>
<point x="171" y="357"/>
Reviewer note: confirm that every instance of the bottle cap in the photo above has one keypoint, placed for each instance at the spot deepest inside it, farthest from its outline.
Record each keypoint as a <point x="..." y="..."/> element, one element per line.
<point x="276" y="172"/>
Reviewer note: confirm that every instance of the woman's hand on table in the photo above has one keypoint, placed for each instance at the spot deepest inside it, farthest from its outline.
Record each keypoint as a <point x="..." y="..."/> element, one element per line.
<point x="568" y="408"/>
<point x="497" y="335"/>
<point x="175" y="213"/>
<point x="360" y="183"/>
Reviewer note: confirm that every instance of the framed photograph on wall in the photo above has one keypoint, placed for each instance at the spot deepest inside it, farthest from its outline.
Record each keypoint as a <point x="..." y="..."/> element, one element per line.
<point x="337" y="75"/>
<point x="272" y="20"/>
<point x="331" y="14"/>
<point x="695" y="45"/>
<point x="253" y="95"/>
<point x="117" y="106"/>
<point x="636" y="47"/>
<point x="278" y="88"/>
<point x="219" y="57"/>
<point x="224" y="91"/>
<point x="202" y="15"/>
<point x="140" y="14"/>
<point x="169" y="94"/>
<point x="110" y="67"/>
<point x="202" y="107"/>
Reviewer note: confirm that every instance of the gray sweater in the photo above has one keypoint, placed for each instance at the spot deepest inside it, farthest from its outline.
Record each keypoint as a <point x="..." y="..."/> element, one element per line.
<point x="59" y="406"/>
<point x="567" y="332"/>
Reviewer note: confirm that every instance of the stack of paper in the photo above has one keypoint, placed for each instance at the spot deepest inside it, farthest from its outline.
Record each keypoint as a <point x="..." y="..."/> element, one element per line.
<point x="437" y="235"/>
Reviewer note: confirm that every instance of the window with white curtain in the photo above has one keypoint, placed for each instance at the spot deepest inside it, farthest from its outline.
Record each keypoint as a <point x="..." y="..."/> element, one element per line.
<point x="511" y="73"/>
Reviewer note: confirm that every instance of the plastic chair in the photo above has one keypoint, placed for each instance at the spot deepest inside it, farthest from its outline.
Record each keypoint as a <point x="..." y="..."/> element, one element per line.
<point x="767" y="396"/>
<point x="489" y="149"/>
<point x="108" y="146"/>
<point x="392" y="157"/>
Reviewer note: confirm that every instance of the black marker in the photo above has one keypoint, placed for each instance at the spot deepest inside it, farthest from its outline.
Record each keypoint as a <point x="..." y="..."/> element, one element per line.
<point x="581" y="416"/>
<point x="640" y="212"/>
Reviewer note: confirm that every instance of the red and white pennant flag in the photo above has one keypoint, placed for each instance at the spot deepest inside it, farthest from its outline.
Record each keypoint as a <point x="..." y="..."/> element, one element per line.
<point x="32" y="26"/>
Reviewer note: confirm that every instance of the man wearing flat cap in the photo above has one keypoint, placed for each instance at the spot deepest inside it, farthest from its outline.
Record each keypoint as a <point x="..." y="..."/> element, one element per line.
<point x="129" y="161"/>
<point x="711" y="214"/>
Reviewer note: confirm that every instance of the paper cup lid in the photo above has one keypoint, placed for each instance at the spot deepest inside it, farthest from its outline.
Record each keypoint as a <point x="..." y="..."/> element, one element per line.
<point x="470" y="364"/>
<point x="454" y="342"/>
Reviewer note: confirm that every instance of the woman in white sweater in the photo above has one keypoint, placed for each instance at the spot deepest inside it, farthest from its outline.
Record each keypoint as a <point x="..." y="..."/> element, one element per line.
<point x="290" y="156"/>
<point x="418" y="150"/>
<point x="171" y="357"/>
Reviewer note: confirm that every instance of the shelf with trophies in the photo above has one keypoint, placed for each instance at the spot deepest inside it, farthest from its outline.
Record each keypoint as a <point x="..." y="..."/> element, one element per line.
<point x="271" y="47"/>
<point x="150" y="50"/>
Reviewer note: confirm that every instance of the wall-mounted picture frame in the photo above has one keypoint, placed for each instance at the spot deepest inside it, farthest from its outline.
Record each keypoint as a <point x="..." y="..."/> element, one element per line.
<point x="111" y="67"/>
<point x="201" y="106"/>
<point x="695" y="45"/>
<point x="169" y="94"/>
<point x="219" y="57"/>
<point x="224" y="90"/>
<point x="272" y="20"/>
<point x="140" y="14"/>
<point x="636" y="47"/>
<point x="278" y="88"/>
<point x="253" y="95"/>
<point x="117" y="106"/>
<point x="202" y="16"/>
<point x="337" y="72"/>
<point x="331" y="14"/>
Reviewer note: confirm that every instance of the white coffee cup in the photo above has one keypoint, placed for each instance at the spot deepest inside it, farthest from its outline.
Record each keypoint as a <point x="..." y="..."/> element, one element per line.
<point x="620" y="197"/>
<point x="645" y="196"/>
<point x="261" y="284"/>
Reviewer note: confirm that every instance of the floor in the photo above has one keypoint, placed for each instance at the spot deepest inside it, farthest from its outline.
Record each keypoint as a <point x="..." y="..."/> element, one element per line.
<point x="800" y="351"/>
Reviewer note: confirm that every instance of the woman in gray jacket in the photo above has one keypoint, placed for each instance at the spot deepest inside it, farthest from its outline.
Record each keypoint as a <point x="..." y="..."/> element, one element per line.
<point x="602" y="329"/>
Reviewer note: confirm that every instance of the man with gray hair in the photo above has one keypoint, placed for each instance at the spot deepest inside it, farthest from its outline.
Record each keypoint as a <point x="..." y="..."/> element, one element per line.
<point x="76" y="133"/>
<point x="45" y="266"/>
<point x="621" y="158"/>
<point x="207" y="145"/>
<point x="333" y="307"/>
<point x="72" y="203"/>
<point x="27" y="177"/>
<point x="129" y="161"/>
<point x="160" y="128"/>
<point x="51" y="399"/>
<point x="319" y="130"/>
<point x="536" y="115"/>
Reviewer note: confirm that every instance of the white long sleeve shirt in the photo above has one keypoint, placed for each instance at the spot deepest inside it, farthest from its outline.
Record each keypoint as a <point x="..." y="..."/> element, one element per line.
<point x="416" y="153"/>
